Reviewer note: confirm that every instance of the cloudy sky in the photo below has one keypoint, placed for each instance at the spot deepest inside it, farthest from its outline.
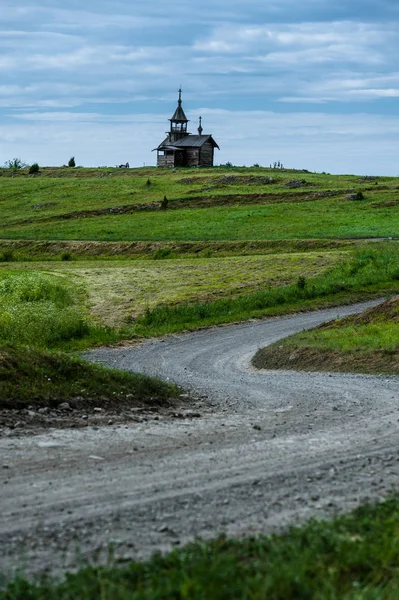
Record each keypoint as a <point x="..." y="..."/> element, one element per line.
<point x="314" y="84"/>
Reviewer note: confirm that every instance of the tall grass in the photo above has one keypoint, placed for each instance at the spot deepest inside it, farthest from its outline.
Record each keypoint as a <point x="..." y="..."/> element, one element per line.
<point x="38" y="309"/>
<point x="367" y="267"/>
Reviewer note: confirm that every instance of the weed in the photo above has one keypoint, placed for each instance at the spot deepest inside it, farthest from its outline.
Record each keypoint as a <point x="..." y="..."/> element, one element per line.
<point x="66" y="256"/>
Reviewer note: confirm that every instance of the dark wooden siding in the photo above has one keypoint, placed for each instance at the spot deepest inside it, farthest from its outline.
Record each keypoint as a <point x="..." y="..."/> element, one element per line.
<point x="192" y="157"/>
<point x="206" y="155"/>
<point x="187" y="157"/>
<point x="166" y="159"/>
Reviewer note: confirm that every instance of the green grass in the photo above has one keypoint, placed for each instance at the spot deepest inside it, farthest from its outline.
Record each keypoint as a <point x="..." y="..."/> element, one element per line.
<point x="355" y="557"/>
<point x="319" y="219"/>
<point x="366" y="343"/>
<point x="37" y="377"/>
<point x="12" y="251"/>
<point x="369" y="271"/>
<point x="257" y="211"/>
<point x="39" y="308"/>
<point x="117" y="291"/>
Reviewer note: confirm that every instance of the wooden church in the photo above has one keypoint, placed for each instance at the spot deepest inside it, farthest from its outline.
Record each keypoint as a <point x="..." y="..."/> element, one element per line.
<point x="183" y="149"/>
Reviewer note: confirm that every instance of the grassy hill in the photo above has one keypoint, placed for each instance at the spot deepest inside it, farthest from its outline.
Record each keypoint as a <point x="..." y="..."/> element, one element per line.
<point x="236" y="232"/>
<point x="221" y="204"/>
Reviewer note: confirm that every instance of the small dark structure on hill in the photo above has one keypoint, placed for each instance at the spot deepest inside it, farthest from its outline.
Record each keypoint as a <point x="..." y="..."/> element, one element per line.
<point x="183" y="149"/>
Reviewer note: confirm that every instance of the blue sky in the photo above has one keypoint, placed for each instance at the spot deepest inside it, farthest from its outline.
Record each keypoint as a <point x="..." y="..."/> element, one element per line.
<point x="313" y="84"/>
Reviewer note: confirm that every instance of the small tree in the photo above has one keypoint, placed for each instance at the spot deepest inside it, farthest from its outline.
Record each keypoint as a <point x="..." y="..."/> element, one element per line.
<point x="71" y="162"/>
<point x="14" y="164"/>
<point x="33" y="169"/>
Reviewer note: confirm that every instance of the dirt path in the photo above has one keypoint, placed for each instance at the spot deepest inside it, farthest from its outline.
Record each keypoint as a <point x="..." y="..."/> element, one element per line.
<point x="270" y="448"/>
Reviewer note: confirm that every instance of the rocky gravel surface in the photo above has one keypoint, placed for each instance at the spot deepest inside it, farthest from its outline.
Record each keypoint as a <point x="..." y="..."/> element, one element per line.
<point x="251" y="452"/>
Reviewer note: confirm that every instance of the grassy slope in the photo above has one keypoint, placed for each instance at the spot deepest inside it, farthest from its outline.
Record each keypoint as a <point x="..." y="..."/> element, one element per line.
<point x="257" y="211"/>
<point x="119" y="290"/>
<point x="39" y="311"/>
<point x="355" y="557"/>
<point x="30" y="376"/>
<point x="368" y="343"/>
<point x="328" y="218"/>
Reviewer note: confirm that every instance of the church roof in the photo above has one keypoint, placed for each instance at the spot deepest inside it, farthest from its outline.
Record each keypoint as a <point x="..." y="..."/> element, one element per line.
<point x="179" y="114"/>
<point x="188" y="141"/>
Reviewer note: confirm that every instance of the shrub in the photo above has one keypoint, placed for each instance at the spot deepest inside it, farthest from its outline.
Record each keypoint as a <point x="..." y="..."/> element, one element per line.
<point x="66" y="256"/>
<point x="71" y="162"/>
<point x="33" y="169"/>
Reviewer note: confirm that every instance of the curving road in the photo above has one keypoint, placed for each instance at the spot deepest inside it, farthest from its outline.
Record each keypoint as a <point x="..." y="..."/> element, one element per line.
<point x="270" y="448"/>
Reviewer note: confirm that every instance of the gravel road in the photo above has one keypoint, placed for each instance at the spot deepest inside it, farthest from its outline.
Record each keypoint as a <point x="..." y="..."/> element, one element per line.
<point x="259" y="450"/>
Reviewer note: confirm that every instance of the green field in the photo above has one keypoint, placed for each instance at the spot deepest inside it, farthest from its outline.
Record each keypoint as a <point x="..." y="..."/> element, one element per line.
<point x="118" y="291"/>
<point x="229" y="237"/>
<point x="214" y="204"/>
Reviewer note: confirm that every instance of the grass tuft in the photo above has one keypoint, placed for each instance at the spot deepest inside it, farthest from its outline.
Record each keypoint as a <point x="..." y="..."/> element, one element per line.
<point x="40" y="309"/>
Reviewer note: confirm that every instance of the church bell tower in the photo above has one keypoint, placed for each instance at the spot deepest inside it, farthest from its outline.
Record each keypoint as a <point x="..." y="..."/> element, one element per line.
<point x="178" y="123"/>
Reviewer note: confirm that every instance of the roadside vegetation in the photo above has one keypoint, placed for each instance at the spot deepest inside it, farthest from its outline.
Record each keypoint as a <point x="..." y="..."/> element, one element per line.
<point x="118" y="291"/>
<point x="368" y="273"/>
<point x="366" y="343"/>
<point x="39" y="308"/>
<point x="355" y="557"/>
<point x="36" y="377"/>
<point x="38" y="312"/>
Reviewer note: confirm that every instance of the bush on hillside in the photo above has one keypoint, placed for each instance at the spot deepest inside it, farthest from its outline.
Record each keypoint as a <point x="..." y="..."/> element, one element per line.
<point x="33" y="169"/>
